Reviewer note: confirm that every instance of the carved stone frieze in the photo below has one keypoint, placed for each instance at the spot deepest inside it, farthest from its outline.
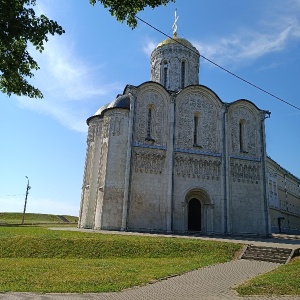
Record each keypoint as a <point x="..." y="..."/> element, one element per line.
<point x="196" y="167"/>
<point x="149" y="160"/>
<point x="245" y="171"/>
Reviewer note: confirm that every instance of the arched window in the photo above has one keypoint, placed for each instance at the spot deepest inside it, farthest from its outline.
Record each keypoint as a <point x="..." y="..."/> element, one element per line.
<point x="149" y="124"/>
<point x="242" y="135"/>
<point x="165" y="74"/>
<point x="196" y="130"/>
<point x="183" y="66"/>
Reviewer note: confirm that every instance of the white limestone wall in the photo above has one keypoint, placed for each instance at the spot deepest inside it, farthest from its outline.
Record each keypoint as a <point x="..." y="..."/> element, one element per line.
<point x="149" y="206"/>
<point x="89" y="187"/>
<point x="113" y="169"/>
<point x="198" y="163"/>
<point x="247" y="211"/>
<point x="206" y="185"/>
<point x="148" y="201"/>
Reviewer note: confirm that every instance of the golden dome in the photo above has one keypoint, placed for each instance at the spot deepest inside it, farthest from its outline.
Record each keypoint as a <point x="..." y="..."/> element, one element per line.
<point x="175" y="40"/>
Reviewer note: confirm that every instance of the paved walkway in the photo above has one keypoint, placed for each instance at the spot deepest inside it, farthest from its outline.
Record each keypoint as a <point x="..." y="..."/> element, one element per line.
<point x="277" y="240"/>
<point x="211" y="283"/>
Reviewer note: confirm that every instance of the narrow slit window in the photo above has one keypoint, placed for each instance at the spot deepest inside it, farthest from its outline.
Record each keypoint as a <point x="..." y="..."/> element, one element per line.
<point x="182" y="74"/>
<point x="241" y="135"/>
<point x="149" y="123"/>
<point x="165" y="74"/>
<point x="196" y="123"/>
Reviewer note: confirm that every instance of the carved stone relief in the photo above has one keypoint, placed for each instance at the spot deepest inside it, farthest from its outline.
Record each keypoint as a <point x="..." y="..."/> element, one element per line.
<point x="117" y="124"/>
<point x="245" y="171"/>
<point x="94" y="130"/>
<point x="154" y="101"/>
<point x="113" y="123"/>
<point x="208" y="127"/>
<point x="197" y="167"/>
<point x="88" y="164"/>
<point x="102" y="167"/>
<point x="105" y="127"/>
<point x="149" y="160"/>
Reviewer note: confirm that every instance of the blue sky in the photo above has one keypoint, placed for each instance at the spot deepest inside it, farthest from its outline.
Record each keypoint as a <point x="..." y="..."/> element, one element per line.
<point x="97" y="56"/>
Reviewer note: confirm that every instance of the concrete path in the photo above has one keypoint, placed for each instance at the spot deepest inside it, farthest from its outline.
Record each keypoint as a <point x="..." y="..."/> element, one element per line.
<point x="277" y="240"/>
<point x="211" y="283"/>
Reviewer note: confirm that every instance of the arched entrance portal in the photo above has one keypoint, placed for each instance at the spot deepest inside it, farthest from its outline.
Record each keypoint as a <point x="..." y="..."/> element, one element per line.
<point x="198" y="211"/>
<point x="194" y="215"/>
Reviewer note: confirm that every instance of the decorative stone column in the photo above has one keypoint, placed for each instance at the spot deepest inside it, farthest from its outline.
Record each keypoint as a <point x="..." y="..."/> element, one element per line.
<point x="209" y="218"/>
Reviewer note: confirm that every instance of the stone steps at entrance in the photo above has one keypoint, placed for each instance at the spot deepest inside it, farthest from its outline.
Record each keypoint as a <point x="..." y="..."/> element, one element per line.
<point x="270" y="254"/>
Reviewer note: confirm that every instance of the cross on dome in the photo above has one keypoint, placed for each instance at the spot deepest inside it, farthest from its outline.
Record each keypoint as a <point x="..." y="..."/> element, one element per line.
<point x="175" y="24"/>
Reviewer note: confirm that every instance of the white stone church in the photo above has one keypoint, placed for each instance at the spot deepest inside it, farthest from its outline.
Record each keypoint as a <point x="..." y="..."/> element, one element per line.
<point x="170" y="156"/>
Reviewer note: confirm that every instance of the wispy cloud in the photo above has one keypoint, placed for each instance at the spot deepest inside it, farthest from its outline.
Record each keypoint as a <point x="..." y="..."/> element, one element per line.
<point x="70" y="84"/>
<point x="149" y="47"/>
<point x="248" y="46"/>
<point x="272" y="34"/>
<point x="279" y="27"/>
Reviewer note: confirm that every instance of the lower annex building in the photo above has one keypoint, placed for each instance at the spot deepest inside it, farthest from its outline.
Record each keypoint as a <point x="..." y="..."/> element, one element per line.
<point x="170" y="156"/>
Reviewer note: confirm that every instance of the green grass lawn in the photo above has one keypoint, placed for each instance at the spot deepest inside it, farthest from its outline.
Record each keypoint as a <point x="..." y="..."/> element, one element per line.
<point x="35" y="259"/>
<point x="284" y="280"/>
<point x="16" y="218"/>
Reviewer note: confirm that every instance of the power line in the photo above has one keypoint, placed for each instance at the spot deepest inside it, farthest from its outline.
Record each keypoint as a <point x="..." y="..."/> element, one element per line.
<point x="222" y="68"/>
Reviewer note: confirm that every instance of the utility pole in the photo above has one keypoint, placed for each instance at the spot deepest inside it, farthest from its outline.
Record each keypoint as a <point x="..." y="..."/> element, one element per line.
<point x="27" y="192"/>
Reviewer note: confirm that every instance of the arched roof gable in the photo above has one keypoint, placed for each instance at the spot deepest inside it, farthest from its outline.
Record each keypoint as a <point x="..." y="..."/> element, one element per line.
<point x="153" y="84"/>
<point x="245" y="103"/>
<point x="203" y="90"/>
<point x="249" y="105"/>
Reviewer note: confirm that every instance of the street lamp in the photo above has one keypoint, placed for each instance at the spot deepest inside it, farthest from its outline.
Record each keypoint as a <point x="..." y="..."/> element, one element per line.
<point x="27" y="192"/>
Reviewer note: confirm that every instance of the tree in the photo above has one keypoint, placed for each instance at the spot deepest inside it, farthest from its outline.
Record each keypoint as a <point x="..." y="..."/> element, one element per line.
<point x="126" y="10"/>
<point x="19" y="26"/>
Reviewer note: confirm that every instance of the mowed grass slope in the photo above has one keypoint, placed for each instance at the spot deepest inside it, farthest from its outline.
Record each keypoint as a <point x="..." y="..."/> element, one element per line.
<point x="35" y="259"/>
<point x="30" y="218"/>
<point x="284" y="280"/>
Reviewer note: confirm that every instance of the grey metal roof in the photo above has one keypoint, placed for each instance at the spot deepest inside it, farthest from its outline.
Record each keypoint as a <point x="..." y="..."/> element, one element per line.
<point x="121" y="101"/>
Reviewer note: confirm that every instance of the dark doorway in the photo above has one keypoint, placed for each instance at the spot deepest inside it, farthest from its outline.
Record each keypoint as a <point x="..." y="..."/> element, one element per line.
<point x="194" y="215"/>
